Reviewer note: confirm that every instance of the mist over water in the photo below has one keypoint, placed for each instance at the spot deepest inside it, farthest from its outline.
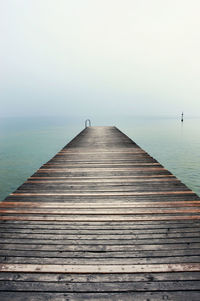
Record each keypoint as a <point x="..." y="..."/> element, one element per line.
<point x="80" y="58"/>
<point x="27" y="143"/>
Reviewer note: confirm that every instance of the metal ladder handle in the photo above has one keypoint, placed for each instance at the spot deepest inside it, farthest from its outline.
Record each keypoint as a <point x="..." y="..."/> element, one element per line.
<point x="87" y="122"/>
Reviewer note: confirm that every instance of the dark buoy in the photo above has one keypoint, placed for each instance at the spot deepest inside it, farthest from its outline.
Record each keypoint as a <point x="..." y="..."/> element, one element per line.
<point x="182" y="117"/>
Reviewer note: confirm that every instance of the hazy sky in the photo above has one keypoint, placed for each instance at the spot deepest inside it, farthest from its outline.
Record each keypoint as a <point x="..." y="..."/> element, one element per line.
<point x="87" y="57"/>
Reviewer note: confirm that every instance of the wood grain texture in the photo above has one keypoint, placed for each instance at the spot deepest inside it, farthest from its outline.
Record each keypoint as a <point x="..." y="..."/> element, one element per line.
<point x="101" y="220"/>
<point x="100" y="268"/>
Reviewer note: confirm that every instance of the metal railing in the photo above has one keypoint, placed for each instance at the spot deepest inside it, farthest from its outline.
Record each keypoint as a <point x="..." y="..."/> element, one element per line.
<point x="87" y="122"/>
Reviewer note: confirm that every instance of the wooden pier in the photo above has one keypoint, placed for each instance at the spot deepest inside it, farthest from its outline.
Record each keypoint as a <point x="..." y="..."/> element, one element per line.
<point x="102" y="220"/>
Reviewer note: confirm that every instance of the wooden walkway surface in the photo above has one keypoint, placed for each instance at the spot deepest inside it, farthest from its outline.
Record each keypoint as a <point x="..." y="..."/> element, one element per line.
<point x="102" y="220"/>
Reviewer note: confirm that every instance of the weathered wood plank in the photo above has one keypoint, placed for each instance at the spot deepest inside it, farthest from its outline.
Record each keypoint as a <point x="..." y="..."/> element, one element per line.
<point x="98" y="254"/>
<point x="99" y="211"/>
<point x="104" y="269"/>
<point x="151" y="225"/>
<point x="103" y="236"/>
<point x="111" y="178"/>
<point x="109" y="218"/>
<point x="57" y="241"/>
<point x="101" y="206"/>
<point x="136" y="193"/>
<point x="98" y="277"/>
<point x="125" y="296"/>
<point x="46" y="228"/>
<point x="59" y="247"/>
<point x="100" y="287"/>
<point x="100" y="261"/>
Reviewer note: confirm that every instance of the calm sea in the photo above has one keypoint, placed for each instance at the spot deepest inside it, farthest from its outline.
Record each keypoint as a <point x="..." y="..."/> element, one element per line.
<point x="27" y="143"/>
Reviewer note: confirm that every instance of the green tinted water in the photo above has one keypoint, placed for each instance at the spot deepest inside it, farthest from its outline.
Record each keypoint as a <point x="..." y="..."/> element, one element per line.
<point x="27" y="143"/>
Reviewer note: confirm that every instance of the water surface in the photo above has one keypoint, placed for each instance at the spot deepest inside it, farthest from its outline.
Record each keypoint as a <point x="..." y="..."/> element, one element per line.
<point x="27" y="143"/>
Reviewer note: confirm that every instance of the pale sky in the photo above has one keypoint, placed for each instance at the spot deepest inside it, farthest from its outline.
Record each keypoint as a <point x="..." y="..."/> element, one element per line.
<point x="87" y="57"/>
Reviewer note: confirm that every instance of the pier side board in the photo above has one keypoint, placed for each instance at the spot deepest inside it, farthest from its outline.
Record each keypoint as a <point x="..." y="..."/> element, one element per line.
<point x="101" y="220"/>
